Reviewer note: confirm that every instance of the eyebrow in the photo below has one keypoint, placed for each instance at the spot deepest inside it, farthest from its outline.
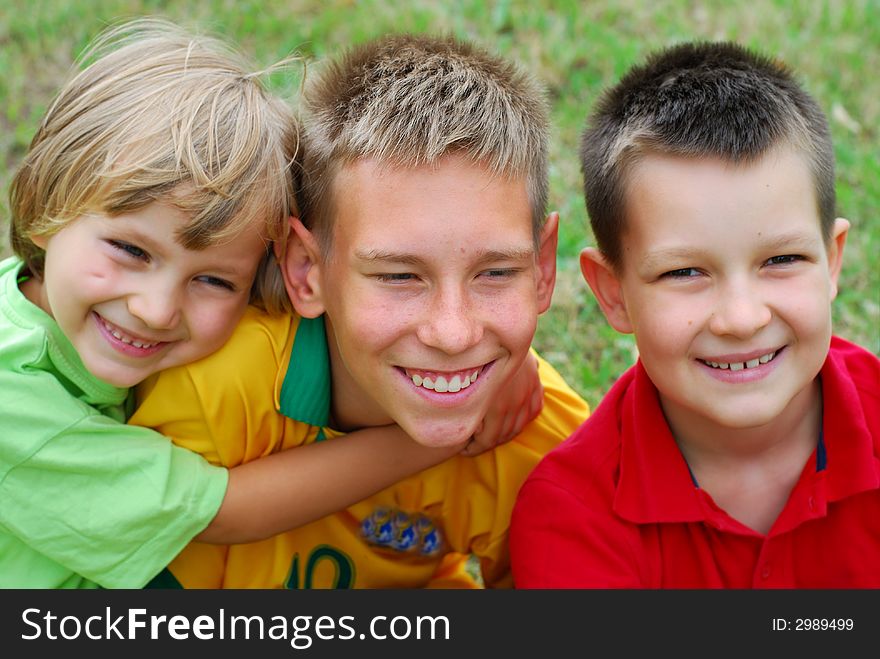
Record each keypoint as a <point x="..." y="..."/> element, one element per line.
<point x="794" y="240"/>
<point x="662" y="256"/>
<point x="482" y="256"/>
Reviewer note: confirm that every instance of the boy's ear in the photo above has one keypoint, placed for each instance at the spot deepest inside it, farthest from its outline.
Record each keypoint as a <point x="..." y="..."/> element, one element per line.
<point x="39" y="239"/>
<point x="605" y="284"/>
<point x="300" y="262"/>
<point x="547" y="261"/>
<point x="835" y="251"/>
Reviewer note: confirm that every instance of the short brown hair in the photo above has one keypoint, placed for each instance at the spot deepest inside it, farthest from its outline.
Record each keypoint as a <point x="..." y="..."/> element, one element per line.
<point x="159" y="114"/>
<point x="695" y="100"/>
<point x="408" y="100"/>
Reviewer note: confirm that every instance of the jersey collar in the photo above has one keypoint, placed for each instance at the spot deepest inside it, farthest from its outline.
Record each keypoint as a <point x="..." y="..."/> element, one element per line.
<point x="305" y="393"/>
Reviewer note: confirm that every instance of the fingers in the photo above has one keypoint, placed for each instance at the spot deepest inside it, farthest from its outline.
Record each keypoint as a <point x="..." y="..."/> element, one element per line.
<point x="510" y="413"/>
<point x="484" y="439"/>
<point x="536" y="403"/>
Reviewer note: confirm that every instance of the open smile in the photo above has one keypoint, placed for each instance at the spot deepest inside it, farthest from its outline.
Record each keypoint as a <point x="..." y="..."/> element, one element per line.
<point x="125" y="342"/>
<point x="743" y="367"/>
<point x="445" y="382"/>
<point x="754" y="362"/>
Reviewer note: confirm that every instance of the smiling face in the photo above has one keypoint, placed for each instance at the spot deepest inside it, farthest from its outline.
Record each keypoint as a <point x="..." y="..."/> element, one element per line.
<point x="727" y="285"/>
<point x="432" y="292"/>
<point x="132" y="300"/>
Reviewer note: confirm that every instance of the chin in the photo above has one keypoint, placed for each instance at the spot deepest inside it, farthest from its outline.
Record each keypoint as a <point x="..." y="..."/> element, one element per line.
<point x="115" y="378"/>
<point x="745" y="421"/>
<point x="439" y="435"/>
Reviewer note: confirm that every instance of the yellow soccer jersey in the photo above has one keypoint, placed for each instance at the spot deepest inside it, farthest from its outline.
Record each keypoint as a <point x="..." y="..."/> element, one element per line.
<point x="268" y="389"/>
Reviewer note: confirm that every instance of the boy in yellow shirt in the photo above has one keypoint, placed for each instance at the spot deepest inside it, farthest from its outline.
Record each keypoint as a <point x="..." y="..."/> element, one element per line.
<point x="417" y="270"/>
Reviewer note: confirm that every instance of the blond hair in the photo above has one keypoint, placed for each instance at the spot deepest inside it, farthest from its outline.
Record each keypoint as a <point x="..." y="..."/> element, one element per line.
<point x="408" y="100"/>
<point x="160" y="114"/>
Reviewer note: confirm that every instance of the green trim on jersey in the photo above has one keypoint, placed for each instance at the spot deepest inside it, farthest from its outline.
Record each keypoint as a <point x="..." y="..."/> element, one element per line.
<point x="164" y="581"/>
<point x="305" y="393"/>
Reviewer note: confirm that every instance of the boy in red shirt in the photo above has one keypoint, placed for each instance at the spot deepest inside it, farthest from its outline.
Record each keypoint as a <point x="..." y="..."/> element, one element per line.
<point x="743" y="449"/>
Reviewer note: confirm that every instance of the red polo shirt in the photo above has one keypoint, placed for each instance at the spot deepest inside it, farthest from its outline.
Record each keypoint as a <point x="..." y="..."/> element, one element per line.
<point x="615" y="506"/>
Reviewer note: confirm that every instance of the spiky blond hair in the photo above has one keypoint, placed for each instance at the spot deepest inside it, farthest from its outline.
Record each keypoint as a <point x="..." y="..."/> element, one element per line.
<point x="408" y="100"/>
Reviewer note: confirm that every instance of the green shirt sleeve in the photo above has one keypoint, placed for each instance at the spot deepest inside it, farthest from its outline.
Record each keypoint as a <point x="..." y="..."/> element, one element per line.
<point x="111" y="502"/>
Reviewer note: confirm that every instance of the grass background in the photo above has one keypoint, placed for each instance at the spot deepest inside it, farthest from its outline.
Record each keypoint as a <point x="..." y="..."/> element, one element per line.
<point x="575" y="48"/>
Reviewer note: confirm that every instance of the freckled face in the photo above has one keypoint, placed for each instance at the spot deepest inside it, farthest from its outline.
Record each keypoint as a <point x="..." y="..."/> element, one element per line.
<point x="431" y="292"/>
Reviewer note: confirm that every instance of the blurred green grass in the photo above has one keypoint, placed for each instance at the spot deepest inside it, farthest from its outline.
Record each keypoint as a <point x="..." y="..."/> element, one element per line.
<point x="575" y="48"/>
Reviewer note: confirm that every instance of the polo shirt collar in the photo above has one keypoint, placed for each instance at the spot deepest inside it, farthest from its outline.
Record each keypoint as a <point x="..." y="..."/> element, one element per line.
<point x="305" y="393"/>
<point x="656" y="485"/>
<point x="852" y="465"/>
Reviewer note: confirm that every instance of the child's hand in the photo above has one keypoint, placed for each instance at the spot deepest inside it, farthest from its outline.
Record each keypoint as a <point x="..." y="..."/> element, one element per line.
<point x="511" y="411"/>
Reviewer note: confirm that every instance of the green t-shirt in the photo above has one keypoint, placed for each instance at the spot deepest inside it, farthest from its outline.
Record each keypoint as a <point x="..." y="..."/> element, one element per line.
<point x="85" y="500"/>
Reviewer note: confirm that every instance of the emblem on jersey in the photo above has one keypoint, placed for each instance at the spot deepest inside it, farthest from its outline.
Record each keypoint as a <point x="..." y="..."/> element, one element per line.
<point x="403" y="532"/>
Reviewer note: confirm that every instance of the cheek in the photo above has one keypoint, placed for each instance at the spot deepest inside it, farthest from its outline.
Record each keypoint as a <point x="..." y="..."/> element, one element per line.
<point x="811" y="321"/>
<point x="665" y="324"/>
<point x="93" y="280"/>
<point x="514" y="324"/>
<point x="807" y="312"/>
<point x="364" y="318"/>
<point x="377" y="325"/>
<point x="212" y="324"/>
<point x="665" y="317"/>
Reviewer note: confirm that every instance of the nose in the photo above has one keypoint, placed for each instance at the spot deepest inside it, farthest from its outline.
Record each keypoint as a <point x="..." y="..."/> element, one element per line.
<point x="156" y="305"/>
<point x="739" y="310"/>
<point x="451" y="323"/>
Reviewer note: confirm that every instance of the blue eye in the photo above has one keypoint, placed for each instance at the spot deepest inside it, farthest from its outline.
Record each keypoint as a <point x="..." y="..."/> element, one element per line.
<point x="682" y="273"/>
<point x="132" y="250"/>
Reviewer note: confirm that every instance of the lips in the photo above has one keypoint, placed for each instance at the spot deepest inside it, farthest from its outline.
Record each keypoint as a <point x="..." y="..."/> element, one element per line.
<point x="742" y="368"/>
<point x="126" y="342"/>
<point x="443" y="381"/>
<point x="754" y="362"/>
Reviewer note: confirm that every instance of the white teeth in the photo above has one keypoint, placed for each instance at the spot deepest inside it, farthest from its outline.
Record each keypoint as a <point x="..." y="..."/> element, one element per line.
<point x="453" y="385"/>
<point x="121" y="337"/>
<point x="739" y="366"/>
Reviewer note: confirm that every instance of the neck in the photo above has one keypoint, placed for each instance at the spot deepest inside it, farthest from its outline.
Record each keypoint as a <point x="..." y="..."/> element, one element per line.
<point x="351" y="408"/>
<point x="32" y="289"/>
<point x="750" y="472"/>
